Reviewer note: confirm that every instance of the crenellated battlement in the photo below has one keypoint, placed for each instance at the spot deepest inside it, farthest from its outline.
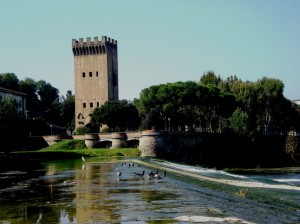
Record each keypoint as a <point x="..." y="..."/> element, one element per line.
<point x="89" y="47"/>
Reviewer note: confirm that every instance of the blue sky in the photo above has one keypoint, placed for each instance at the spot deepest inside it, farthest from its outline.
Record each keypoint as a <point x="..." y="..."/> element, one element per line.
<point x="159" y="41"/>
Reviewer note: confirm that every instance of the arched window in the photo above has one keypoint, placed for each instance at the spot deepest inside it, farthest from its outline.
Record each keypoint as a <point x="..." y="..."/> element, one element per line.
<point x="80" y="116"/>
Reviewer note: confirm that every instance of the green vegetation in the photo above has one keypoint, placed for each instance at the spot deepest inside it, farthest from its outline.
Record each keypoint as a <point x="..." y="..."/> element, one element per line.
<point x="219" y="106"/>
<point x="292" y="147"/>
<point x="83" y="130"/>
<point x="238" y="122"/>
<point x="78" y="147"/>
<point x="10" y="121"/>
<point x="66" y="145"/>
<point x="66" y="149"/>
<point x="44" y="105"/>
<point x="118" y="116"/>
<point x="211" y="105"/>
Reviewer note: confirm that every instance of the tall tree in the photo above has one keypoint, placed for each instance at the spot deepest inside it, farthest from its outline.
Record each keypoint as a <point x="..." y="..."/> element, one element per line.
<point x="29" y="87"/>
<point x="47" y="93"/>
<point x="239" y="122"/>
<point x="9" y="81"/>
<point x="210" y="78"/>
<point x="11" y="122"/>
<point x="68" y="110"/>
<point x="117" y="115"/>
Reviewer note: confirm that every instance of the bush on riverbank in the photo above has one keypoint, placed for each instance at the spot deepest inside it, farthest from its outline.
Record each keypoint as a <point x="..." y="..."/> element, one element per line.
<point x="78" y="147"/>
<point x="66" y="145"/>
<point x="66" y="149"/>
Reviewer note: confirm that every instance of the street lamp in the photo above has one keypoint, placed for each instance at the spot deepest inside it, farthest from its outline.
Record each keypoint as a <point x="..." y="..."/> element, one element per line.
<point x="169" y="119"/>
<point x="51" y="128"/>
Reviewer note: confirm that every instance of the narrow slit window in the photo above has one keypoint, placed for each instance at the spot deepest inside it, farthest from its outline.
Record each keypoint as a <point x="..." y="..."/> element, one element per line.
<point x="83" y="75"/>
<point x="97" y="73"/>
<point x="90" y="74"/>
<point x="84" y="105"/>
<point x="91" y="105"/>
<point x="98" y="104"/>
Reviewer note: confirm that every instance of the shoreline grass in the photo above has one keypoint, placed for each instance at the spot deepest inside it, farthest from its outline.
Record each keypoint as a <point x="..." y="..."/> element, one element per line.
<point x="68" y="149"/>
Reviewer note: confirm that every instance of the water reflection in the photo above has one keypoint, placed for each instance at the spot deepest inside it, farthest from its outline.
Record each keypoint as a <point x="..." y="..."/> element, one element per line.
<point x="73" y="192"/>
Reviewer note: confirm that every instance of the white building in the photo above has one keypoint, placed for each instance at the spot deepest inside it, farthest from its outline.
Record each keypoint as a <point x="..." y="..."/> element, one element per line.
<point x="19" y="97"/>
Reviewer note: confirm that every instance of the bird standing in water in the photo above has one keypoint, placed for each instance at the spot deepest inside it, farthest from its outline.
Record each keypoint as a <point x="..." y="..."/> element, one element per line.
<point x="140" y="174"/>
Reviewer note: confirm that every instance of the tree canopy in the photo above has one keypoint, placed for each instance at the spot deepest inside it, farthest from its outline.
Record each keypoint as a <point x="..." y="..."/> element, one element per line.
<point x="219" y="105"/>
<point x="10" y="121"/>
<point x="117" y="115"/>
<point x="43" y="104"/>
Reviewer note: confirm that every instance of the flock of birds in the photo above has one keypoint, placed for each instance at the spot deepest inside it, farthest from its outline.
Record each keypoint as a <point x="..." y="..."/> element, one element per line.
<point x="150" y="174"/>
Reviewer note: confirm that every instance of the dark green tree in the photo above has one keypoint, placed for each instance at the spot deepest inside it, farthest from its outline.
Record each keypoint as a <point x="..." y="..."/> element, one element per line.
<point x="12" y="122"/>
<point x="239" y="122"/>
<point x="210" y="78"/>
<point x="68" y="110"/>
<point x="47" y="94"/>
<point x="9" y="81"/>
<point x="117" y="115"/>
<point x="185" y="103"/>
<point x="29" y="87"/>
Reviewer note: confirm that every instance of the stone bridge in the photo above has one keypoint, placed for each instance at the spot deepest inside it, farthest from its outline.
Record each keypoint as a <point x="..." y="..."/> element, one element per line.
<point x="150" y="142"/>
<point x="103" y="140"/>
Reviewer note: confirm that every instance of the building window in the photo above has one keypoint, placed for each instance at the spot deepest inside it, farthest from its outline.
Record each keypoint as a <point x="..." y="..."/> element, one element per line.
<point x="98" y="104"/>
<point x="84" y="105"/>
<point x="90" y="74"/>
<point x="83" y="75"/>
<point x="91" y="105"/>
<point x="97" y="74"/>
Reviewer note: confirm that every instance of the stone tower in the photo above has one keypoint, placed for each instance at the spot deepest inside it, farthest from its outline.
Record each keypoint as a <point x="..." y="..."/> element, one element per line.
<point x="96" y="75"/>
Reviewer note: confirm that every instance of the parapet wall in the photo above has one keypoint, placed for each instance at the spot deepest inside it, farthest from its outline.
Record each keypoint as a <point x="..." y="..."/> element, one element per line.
<point x="216" y="150"/>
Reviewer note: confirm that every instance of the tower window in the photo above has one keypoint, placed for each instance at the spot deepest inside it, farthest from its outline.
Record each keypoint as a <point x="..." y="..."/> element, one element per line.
<point x="91" y="105"/>
<point x="97" y="74"/>
<point x="98" y="104"/>
<point x="90" y="74"/>
<point x="83" y="75"/>
<point x="84" y="105"/>
<point x="115" y="79"/>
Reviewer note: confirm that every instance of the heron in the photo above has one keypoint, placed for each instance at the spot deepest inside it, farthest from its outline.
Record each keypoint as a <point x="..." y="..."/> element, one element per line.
<point x="83" y="159"/>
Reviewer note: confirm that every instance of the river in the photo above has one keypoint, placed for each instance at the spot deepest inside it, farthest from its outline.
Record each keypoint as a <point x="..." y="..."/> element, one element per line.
<point x="73" y="191"/>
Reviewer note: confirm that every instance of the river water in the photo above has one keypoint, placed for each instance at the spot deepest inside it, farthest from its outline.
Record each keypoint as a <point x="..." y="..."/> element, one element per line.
<point x="70" y="191"/>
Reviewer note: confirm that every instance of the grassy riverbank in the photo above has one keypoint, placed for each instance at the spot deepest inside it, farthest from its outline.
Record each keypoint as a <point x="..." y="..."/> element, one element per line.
<point x="69" y="149"/>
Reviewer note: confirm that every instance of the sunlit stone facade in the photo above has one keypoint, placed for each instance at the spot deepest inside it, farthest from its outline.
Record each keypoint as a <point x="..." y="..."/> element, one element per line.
<point x="96" y="75"/>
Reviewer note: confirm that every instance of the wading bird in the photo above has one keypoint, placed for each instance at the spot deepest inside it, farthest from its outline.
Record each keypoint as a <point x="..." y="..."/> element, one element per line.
<point x="140" y="174"/>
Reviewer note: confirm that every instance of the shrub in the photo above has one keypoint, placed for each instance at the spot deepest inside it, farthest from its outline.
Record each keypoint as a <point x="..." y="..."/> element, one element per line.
<point x="82" y="130"/>
<point x="292" y="147"/>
